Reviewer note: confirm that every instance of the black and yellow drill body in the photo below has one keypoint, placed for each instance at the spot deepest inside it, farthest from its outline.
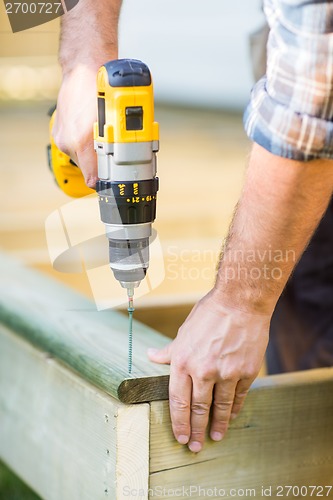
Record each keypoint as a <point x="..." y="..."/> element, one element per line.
<point x="126" y="139"/>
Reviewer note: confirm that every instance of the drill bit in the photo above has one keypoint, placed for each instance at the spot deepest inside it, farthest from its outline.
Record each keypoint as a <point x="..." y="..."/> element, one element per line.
<point x="130" y="309"/>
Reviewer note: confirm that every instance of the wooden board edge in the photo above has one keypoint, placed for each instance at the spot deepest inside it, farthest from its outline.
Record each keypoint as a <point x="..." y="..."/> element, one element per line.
<point x="52" y="371"/>
<point x="132" y="456"/>
<point x="144" y="389"/>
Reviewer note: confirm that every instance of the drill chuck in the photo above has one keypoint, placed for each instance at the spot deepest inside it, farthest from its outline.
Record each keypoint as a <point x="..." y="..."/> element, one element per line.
<point x="128" y="210"/>
<point x="129" y="260"/>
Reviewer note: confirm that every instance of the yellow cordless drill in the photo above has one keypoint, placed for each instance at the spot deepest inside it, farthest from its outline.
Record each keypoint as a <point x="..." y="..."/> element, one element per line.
<point x="126" y="139"/>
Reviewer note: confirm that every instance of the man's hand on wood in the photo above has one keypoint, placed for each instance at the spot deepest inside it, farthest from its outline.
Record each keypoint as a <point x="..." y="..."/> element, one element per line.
<point x="214" y="359"/>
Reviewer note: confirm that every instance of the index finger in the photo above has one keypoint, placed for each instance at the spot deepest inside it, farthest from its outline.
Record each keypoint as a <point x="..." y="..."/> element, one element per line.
<point x="180" y="388"/>
<point x="87" y="161"/>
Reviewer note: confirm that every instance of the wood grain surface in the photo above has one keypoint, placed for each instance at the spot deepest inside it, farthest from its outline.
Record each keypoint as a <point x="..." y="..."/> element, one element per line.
<point x="283" y="436"/>
<point x="94" y="344"/>
<point x="64" y="437"/>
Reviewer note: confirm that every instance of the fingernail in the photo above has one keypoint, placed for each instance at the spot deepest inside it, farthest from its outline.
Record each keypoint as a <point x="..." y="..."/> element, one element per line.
<point x="233" y="416"/>
<point x="216" y="436"/>
<point x="195" y="447"/>
<point x="183" y="439"/>
<point x="152" y="351"/>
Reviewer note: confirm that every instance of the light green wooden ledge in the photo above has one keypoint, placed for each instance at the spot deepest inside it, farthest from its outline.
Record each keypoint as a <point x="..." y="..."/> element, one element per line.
<point x="66" y="325"/>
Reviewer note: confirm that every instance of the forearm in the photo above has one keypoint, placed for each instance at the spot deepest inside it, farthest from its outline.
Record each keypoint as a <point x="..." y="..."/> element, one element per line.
<point x="88" y="40"/>
<point x="219" y="349"/>
<point x="280" y="207"/>
<point x="89" y="34"/>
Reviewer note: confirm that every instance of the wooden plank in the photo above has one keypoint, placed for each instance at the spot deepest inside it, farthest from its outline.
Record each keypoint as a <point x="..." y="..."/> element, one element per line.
<point x="225" y="477"/>
<point x="283" y="436"/>
<point x="63" y="436"/>
<point x="63" y="323"/>
<point x="132" y="460"/>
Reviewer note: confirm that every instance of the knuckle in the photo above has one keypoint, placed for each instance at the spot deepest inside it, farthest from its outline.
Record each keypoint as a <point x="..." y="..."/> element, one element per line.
<point x="240" y="396"/>
<point x="180" y="362"/>
<point x="249" y="373"/>
<point x="223" y="406"/>
<point x="197" y="434"/>
<point x="200" y="408"/>
<point x="178" y="404"/>
<point x="90" y="181"/>
<point x="229" y="376"/>
<point x="60" y="142"/>
<point x="206" y="373"/>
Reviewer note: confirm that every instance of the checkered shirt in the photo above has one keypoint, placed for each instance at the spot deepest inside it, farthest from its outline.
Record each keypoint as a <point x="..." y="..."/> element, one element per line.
<point x="291" y="109"/>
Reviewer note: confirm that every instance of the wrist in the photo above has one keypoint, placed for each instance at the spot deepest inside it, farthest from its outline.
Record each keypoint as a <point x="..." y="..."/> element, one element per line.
<point x="245" y="296"/>
<point x="86" y="61"/>
<point x="86" y="69"/>
<point x="89" y="35"/>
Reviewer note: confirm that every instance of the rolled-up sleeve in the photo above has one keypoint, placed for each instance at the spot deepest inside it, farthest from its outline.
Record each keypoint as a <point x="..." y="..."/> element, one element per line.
<point x="291" y="109"/>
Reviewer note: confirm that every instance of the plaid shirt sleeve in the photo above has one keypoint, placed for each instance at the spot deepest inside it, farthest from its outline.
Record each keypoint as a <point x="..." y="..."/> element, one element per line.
<point x="291" y="109"/>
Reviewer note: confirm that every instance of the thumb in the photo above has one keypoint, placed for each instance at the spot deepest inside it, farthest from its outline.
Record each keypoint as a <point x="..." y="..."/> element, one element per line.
<point x="160" y="355"/>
